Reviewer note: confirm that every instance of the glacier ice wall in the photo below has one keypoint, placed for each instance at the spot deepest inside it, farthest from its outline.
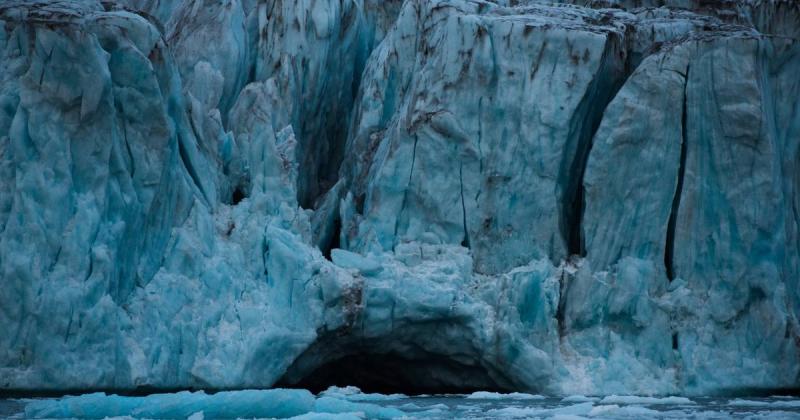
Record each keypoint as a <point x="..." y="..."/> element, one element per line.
<point x="569" y="197"/>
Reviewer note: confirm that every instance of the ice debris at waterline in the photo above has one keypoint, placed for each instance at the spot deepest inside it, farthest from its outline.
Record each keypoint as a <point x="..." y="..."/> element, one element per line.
<point x="275" y="403"/>
<point x="336" y="404"/>
<point x="579" y="197"/>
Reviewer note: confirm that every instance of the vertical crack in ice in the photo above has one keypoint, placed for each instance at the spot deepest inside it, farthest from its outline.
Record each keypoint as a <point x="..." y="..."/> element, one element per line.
<point x="291" y="291"/>
<point x="128" y="147"/>
<point x="90" y="270"/>
<point x="480" y="134"/>
<point x="336" y="97"/>
<point x="44" y="65"/>
<point x="69" y="325"/>
<point x="265" y="253"/>
<point x="602" y="89"/>
<point x="562" y="303"/>
<point x="334" y="242"/>
<point x="408" y="185"/>
<point x="190" y="169"/>
<point x="465" y="242"/>
<point x="669" y="248"/>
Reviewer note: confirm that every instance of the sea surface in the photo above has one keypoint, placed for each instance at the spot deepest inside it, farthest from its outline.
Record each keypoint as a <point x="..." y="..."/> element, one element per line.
<point x="485" y="405"/>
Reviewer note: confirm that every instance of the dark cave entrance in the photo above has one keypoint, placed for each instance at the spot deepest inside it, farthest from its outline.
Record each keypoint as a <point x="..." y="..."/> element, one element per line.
<point x="393" y="373"/>
<point x="334" y="241"/>
<point x="238" y="195"/>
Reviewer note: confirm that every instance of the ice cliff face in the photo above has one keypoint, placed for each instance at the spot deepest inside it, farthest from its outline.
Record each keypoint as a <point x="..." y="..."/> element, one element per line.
<point x="598" y="197"/>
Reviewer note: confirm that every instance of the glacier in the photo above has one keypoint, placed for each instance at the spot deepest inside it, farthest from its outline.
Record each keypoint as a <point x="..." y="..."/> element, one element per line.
<point x="588" y="197"/>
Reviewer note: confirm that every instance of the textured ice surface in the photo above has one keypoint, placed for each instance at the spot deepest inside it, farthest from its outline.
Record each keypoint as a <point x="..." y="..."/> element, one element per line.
<point x="772" y="404"/>
<point x="277" y="403"/>
<point x="588" y="198"/>
<point x="352" y="393"/>
<point x="484" y="395"/>
<point x="632" y="399"/>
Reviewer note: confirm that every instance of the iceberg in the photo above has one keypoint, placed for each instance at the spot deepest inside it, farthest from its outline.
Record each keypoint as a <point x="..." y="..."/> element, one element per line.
<point x="352" y="393"/>
<point x="615" y="411"/>
<point x="372" y="411"/>
<point x="484" y="395"/>
<point x="772" y="404"/>
<point x="578" y="399"/>
<point x="575" y="411"/>
<point x="410" y="197"/>
<point x="275" y="403"/>
<point x="633" y="399"/>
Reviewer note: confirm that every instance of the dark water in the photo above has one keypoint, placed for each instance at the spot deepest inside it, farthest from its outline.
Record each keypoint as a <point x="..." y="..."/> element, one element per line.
<point x="518" y="406"/>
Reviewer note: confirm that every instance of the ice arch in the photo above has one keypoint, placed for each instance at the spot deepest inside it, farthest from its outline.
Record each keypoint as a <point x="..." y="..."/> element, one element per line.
<point x="389" y="365"/>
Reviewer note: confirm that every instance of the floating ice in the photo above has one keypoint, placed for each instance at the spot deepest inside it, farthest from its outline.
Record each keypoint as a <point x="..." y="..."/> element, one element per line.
<point x="578" y="399"/>
<point x="352" y="393"/>
<point x="330" y="416"/>
<point x="612" y="411"/>
<point x="632" y="399"/>
<point x="526" y="412"/>
<point x="795" y="403"/>
<point x="260" y="403"/>
<point x="277" y="403"/>
<point x="483" y="395"/>
<point x="372" y="411"/>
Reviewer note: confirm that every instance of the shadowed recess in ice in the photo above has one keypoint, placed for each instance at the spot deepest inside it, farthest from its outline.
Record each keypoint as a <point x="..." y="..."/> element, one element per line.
<point x="556" y="198"/>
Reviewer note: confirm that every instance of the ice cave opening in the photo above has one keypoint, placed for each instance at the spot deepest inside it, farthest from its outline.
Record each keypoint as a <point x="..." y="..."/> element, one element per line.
<point x="238" y="195"/>
<point x="391" y="373"/>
